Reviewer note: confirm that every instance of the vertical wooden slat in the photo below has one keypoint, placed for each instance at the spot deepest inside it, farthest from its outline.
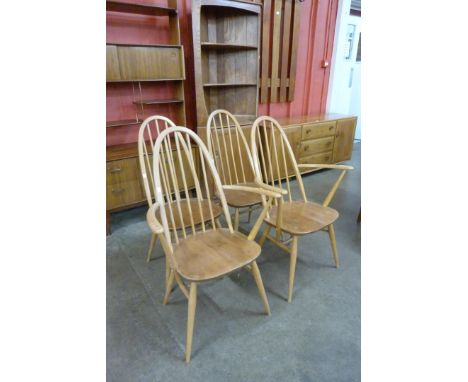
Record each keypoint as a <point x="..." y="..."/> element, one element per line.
<point x="286" y="45"/>
<point x="265" y="50"/>
<point x="295" y="42"/>
<point x="275" y="50"/>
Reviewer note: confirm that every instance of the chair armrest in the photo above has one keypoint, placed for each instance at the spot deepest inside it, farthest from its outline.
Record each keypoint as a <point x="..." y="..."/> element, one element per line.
<point x="270" y="188"/>
<point x="332" y="166"/>
<point x="254" y="190"/>
<point x="153" y="223"/>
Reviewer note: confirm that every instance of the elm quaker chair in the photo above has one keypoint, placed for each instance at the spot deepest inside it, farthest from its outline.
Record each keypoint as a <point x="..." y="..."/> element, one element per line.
<point x="271" y="154"/>
<point x="151" y="127"/>
<point x="206" y="254"/>
<point x="227" y="144"/>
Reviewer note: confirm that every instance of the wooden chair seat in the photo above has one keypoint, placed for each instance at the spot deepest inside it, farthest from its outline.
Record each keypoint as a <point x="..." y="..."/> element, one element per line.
<point x="239" y="199"/>
<point x="212" y="254"/>
<point x="300" y="218"/>
<point x="197" y="214"/>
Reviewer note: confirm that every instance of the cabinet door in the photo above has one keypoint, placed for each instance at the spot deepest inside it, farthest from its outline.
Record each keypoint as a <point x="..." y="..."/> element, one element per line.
<point x="123" y="183"/>
<point x="150" y="63"/>
<point x="344" y="138"/>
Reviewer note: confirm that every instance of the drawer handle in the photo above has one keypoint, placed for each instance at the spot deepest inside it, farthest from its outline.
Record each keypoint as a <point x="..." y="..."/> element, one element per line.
<point x="115" y="169"/>
<point x="118" y="190"/>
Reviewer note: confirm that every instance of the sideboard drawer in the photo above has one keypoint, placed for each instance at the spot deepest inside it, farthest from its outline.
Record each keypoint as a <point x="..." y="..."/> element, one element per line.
<point x="318" y="130"/>
<point x="317" y="158"/>
<point x="315" y="146"/>
<point x="123" y="184"/>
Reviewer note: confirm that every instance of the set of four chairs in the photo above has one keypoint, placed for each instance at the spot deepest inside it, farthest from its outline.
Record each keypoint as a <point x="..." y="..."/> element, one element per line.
<point x="190" y="187"/>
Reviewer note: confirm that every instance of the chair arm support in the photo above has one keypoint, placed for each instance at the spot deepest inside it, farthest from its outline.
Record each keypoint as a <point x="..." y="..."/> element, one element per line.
<point x="153" y="223"/>
<point x="332" y="192"/>
<point x="254" y="190"/>
<point x="331" y="166"/>
<point x="270" y="188"/>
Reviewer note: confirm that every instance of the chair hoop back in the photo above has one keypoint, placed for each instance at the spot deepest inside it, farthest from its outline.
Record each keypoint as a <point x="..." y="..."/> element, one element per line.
<point x="170" y="183"/>
<point x="273" y="157"/>
<point x="227" y="144"/>
<point x="150" y="129"/>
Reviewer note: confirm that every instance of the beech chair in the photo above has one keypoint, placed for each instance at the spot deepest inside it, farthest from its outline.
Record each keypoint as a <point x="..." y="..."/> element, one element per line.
<point x="195" y="255"/>
<point x="228" y="146"/>
<point x="149" y="131"/>
<point x="275" y="163"/>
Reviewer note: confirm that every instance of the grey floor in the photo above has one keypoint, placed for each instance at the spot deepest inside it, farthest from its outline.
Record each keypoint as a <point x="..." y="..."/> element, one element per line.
<point x="315" y="338"/>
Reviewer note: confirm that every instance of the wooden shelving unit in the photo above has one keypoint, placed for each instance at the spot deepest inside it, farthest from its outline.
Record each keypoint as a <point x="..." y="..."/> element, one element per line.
<point x="150" y="77"/>
<point x="226" y="40"/>
<point x="148" y="63"/>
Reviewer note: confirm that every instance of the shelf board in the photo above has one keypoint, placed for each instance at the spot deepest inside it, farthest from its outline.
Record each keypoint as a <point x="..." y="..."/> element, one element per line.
<point x="222" y="45"/>
<point x="230" y="84"/>
<point x="150" y="80"/>
<point x="157" y="101"/>
<point x="140" y="9"/>
<point x="145" y="45"/>
<point x="123" y="122"/>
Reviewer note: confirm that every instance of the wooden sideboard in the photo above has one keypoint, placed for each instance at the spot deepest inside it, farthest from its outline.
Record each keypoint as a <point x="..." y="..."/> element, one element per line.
<point x="326" y="138"/>
<point x="124" y="185"/>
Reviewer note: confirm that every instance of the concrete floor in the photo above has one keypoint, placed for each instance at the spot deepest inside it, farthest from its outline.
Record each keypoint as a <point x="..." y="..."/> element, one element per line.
<point x="315" y="338"/>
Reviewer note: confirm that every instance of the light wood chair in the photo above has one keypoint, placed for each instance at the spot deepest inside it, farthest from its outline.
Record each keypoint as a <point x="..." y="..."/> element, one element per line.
<point x="229" y="147"/>
<point x="275" y="163"/>
<point x="149" y="131"/>
<point x="195" y="255"/>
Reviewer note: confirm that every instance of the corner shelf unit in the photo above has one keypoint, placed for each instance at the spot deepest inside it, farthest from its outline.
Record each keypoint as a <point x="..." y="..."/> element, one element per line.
<point x="226" y="41"/>
<point x="151" y="64"/>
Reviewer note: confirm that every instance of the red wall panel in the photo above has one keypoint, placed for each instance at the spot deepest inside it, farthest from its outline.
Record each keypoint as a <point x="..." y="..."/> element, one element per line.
<point x="318" y="18"/>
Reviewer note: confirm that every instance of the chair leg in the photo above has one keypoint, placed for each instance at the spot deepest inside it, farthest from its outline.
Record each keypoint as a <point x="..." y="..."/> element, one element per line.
<point x="250" y="214"/>
<point x="236" y="220"/>
<point x="266" y="231"/>
<point x="192" y="304"/>
<point x="261" y="288"/>
<point x="218" y="223"/>
<point x="153" y="240"/>
<point x="292" y="267"/>
<point x="331" y="233"/>
<point x="169" y="283"/>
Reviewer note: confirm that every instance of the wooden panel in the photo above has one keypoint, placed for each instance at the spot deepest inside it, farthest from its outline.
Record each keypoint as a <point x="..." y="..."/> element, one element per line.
<point x="318" y="130"/>
<point x="112" y="64"/>
<point x="265" y="50"/>
<point x="147" y="63"/>
<point x="325" y="157"/>
<point x="279" y="49"/>
<point x="274" y="83"/>
<point x="294" y="48"/>
<point x="123" y="183"/>
<point x="285" y="49"/>
<point x="344" y="138"/>
<point x="315" y="146"/>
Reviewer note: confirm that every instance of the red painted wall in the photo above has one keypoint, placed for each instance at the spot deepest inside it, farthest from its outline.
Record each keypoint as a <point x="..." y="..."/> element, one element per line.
<point x="318" y="18"/>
